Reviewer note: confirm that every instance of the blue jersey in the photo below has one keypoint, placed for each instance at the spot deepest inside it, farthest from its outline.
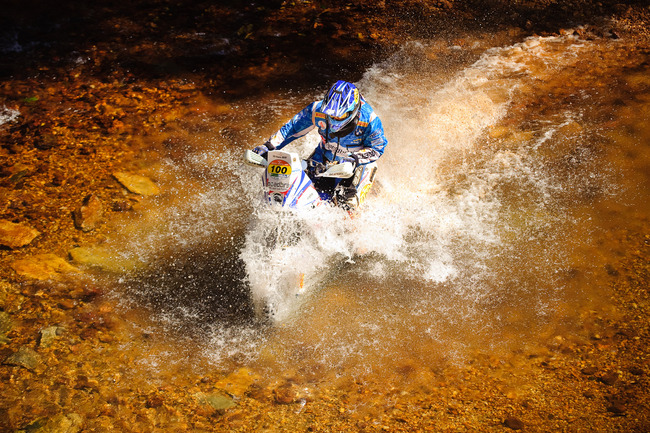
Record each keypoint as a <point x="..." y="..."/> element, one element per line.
<point x="366" y="142"/>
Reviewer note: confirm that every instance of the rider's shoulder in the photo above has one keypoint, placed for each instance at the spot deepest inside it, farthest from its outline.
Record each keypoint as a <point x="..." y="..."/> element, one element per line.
<point x="366" y="114"/>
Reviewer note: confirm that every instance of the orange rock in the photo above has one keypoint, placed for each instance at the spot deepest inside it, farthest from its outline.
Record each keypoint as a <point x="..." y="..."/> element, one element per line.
<point x="14" y="235"/>
<point x="88" y="215"/>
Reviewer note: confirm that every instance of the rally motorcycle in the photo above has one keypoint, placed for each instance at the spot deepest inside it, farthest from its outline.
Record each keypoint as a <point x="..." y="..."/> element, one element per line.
<point x="287" y="184"/>
<point x="281" y="255"/>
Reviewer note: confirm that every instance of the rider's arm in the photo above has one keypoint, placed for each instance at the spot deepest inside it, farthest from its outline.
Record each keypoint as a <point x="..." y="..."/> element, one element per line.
<point x="297" y="127"/>
<point x="374" y="143"/>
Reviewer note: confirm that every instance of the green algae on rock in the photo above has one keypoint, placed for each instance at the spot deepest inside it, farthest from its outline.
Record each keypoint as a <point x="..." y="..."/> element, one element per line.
<point x="43" y="267"/>
<point x="98" y="257"/>
<point x="137" y="184"/>
<point x="70" y="423"/>
<point x="217" y="401"/>
<point x="49" y="335"/>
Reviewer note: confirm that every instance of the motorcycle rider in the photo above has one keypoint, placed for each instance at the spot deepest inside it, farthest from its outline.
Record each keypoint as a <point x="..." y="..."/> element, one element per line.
<point x="350" y="132"/>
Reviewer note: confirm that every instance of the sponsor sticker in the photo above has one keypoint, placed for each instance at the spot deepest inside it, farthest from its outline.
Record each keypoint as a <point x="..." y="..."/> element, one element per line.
<point x="364" y="192"/>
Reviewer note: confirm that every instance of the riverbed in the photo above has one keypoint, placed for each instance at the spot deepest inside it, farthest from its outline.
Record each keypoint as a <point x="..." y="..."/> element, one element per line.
<point x="495" y="279"/>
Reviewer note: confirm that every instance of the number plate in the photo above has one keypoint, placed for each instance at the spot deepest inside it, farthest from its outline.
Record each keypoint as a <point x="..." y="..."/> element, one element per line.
<point x="278" y="174"/>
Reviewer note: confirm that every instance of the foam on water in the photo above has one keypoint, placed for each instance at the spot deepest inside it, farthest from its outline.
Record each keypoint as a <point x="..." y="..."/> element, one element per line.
<point x="8" y="115"/>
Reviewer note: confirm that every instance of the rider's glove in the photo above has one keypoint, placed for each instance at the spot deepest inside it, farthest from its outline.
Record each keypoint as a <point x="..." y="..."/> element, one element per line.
<point x="350" y="158"/>
<point x="263" y="149"/>
<point x="316" y="167"/>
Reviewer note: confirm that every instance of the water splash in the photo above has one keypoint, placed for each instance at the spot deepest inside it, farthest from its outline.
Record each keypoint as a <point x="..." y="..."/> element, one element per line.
<point x="456" y="235"/>
<point x="458" y="244"/>
<point x="8" y="115"/>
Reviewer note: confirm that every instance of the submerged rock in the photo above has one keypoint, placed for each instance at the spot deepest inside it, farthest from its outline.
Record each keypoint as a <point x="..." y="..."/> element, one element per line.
<point x="589" y="371"/>
<point x="88" y="215"/>
<point x="48" y="335"/>
<point x="6" y="325"/>
<point x="14" y="235"/>
<point x="5" y="288"/>
<point x="43" y="267"/>
<point x="216" y="401"/>
<point x="513" y="423"/>
<point x="25" y="357"/>
<point x="286" y="394"/>
<point x="70" y="423"/>
<point x="237" y="383"/>
<point x="137" y="184"/>
<point x="609" y="378"/>
<point x="617" y="407"/>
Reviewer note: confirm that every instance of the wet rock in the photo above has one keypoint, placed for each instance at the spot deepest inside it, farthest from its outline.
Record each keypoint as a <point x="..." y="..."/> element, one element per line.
<point x="4" y="290"/>
<point x="103" y="259"/>
<point x="49" y="335"/>
<point x="43" y="267"/>
<point x="14" y="235"/>
<point x="617" y="407"/>
<point x="66" y="304"/>
<point x="122" y="206"/>
<point x="237" y="383"/>
<point x="6" y="325"/>
<point x="216" y="401"/>
<point x="513" y="423"/>
<point x="25" y="357"/>
<point x="88" y="215"/>
<point x="589" y="371"/>
<point x="286" y="394"/>
<point x="637" y="371"/>
<point x="609" y="378"/>
<point x="70" y="423"/>
<point x="137" y="184"/>
<point x="83" y="382"/>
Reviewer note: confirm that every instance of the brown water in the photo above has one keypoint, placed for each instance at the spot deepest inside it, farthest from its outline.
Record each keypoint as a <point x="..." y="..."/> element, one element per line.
<point x="493" y="231"/>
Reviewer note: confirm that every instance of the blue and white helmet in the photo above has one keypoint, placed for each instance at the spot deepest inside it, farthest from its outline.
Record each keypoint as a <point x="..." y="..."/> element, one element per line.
<point x="341" y="105"/>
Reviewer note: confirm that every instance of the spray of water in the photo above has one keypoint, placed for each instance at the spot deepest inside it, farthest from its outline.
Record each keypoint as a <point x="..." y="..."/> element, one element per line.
<point x="455" y="230"/>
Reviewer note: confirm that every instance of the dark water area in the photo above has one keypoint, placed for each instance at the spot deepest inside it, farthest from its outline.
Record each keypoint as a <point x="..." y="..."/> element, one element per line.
<point x="194" y="290"/>
<point x="224" y="46"/>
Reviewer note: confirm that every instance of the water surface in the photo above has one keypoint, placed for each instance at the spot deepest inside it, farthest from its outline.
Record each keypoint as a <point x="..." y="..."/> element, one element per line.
<point x="491" y="231"/>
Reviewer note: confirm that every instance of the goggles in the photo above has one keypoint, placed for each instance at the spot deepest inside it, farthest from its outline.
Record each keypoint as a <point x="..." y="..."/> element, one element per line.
<point x="343" y="117"/>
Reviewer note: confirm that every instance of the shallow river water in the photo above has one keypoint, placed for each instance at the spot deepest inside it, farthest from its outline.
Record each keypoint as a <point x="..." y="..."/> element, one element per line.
<point x="489" y="231"/>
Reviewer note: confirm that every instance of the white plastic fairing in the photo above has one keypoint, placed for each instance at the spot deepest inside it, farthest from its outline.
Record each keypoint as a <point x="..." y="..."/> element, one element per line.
<point x="252" y="158"/>
<point x="342" y="170"/>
